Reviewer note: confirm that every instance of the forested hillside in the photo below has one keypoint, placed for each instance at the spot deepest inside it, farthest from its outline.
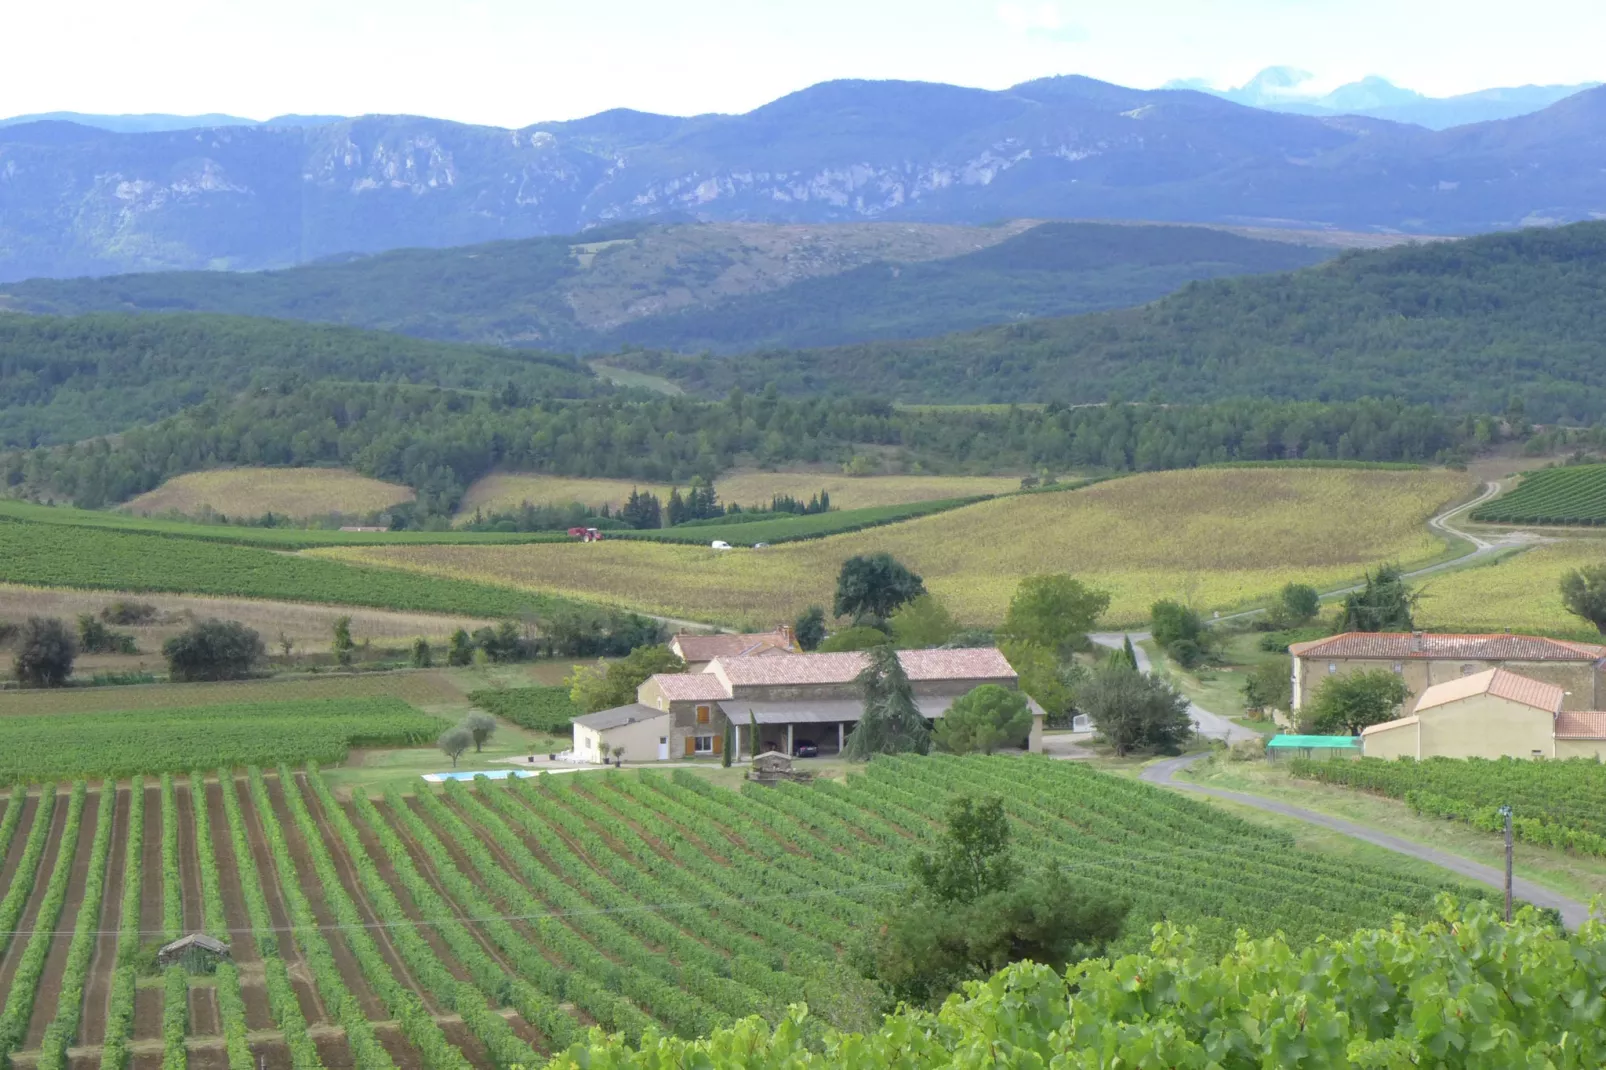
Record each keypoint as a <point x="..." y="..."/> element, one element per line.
<point x="1470" y="325"/>
<point x="721" y="287"/>
<point x="63" y="379"/>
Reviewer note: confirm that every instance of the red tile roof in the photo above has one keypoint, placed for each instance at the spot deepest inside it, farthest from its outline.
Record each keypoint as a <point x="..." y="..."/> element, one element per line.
<point x="977" y="663"/>
<point x="709" y="647"/>
<point x="691" y="686"/>
<point x="1588" y="724"/>
<point x="1399" y="646"/>
<point x="1500" y="684"/>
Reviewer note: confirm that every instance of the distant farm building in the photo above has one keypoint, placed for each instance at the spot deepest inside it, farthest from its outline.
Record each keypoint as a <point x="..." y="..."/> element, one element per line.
<point x="698" y="650"/>
<point x="796" y="701"/>
<point x="1491" y="714"/>
<point x="1425" y="660"/>
<point x="196" y="952"/>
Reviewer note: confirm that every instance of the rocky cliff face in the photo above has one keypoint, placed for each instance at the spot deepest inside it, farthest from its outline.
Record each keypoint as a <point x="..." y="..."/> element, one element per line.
<point x="74" y="200"/>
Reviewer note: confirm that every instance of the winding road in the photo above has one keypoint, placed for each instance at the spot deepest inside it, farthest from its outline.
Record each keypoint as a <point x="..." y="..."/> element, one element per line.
<point x="1573" y="913"/>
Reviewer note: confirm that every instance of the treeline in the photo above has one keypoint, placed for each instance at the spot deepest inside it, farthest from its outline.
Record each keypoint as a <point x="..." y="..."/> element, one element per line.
<point x="1466" y="325"/>
<point x="62" y="380"/>
<point x="438" y="441"/>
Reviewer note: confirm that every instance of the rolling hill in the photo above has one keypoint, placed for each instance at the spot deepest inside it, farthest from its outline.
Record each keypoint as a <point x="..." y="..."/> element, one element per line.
<point x="1468" y="325"/>
<point x="720" y="287"/>
<point x="79" y="200"/>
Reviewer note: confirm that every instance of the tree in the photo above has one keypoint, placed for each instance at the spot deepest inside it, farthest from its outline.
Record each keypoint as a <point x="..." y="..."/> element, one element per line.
<point x="862" y="637"/>
<point x="809" y="629"/>
<point x="608" y="684"/>
<point x="975" y="911"/>
<point x="1171" y="622"/>
<point x="983" y="720"/>
<point x="460" y="649"/>
<point x="501" y="644"/>
<point x="422" y="655"/>
<point x="1125" y="654"/>
<point x="892" y="723"/>
<point x="45" y="653"/>
<point x="1349" y="702"/>
<point x="1044" y="677"/>
<point x="642" y="511"/>
<point x="213" y="650"/>
<point x="1054" y="611"/>
<point x="454" y="741"/>
<point x="730" y="745"/>
<point x="1583" y="592"/>
<point x="342" y="645"/>
<point x="1269" y="687"/>
<point x="923" y="623"/>
<point x="871" y="587"/>
<point x="1131" y="710"/>
<point x="95" y="638"/>
<point x="1384" y="604"/>
<point x="1299" y="602"/>
<point x="481" y="726"/>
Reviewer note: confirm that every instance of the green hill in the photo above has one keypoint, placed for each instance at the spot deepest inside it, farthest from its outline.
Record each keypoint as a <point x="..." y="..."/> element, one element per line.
<point x="720" y="287"/>
<point x="63" y="379"/>
<point x="1469" y="325"/>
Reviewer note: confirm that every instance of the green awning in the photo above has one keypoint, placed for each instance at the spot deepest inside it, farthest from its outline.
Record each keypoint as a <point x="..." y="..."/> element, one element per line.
<point x="1315" y="742"/>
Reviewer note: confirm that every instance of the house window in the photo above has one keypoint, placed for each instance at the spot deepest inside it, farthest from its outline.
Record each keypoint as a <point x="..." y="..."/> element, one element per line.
<point x="1332" y="666"/>
<point x="702" y="714"/>
<point x="703" y="745"/>
<point x="1398" y="667"/>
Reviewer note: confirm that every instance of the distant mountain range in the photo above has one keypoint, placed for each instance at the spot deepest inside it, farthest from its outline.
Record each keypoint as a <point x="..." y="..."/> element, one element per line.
<point x="158" y="123"/>
<point x="1288" y="89"/>
<point x="80" y="201"/>
<point x="719" y="287"/>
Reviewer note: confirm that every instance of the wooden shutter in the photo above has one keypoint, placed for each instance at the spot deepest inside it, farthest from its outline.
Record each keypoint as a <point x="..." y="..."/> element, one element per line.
<point x="702" y="714"/>
<point x="691" y="746"/>
<point x="719" y="743"/>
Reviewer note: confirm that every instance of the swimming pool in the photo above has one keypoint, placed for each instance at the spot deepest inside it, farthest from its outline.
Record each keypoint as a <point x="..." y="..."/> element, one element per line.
<point x="489" y="774"/>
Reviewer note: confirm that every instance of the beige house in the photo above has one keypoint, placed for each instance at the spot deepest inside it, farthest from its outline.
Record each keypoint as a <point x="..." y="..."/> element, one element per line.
<point x="698" y="650"/>
<point x="1490" y="714"/>
<point x="1424" y="660"/>
<point x="795" y="700"/>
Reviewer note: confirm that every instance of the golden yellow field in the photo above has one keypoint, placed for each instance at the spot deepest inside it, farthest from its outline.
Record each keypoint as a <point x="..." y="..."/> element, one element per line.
<point x="1520" y="593"/>
<point x="509" y="490"/>
<point x="1214" y="537"/>
<point x="292" y="492"/>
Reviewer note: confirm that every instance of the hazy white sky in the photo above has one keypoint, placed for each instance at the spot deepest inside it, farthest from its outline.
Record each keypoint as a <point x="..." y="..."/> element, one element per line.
<point x="513" y="62"/>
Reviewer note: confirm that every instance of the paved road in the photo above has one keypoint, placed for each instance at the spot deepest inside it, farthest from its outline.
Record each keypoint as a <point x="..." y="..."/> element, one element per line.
<point x="1210" y="724"/>
<point x="1573" y="913"/>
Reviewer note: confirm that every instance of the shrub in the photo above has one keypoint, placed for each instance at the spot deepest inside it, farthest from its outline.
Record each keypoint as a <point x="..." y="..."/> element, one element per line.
<point x="126" y="612"/>
<point x="1186" y="653"/>
<point x="213" y="650"/>
<point x="862" y="637"/>
<point x="45" y="653"/>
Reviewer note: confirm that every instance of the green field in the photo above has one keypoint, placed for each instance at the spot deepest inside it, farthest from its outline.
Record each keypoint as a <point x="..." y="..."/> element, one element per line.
<point x="125" y="743"/>
<point x="543" y="709"/>
<point x="49" y="555"/>
<point x="1572" y="495"/>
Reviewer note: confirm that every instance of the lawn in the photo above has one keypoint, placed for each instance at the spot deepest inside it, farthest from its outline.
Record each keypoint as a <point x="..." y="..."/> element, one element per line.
<point x="1217" y="538"/>
<point x="1220" y="688"/>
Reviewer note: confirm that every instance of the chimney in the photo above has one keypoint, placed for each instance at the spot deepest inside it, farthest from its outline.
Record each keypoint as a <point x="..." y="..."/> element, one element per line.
<point x="786" y="633"/>
<point x="1416" y="642"/>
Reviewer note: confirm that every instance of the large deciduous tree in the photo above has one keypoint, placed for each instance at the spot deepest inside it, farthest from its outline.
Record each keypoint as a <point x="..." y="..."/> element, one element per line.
<point x="871" y="587"/>
<point x="1132" y="710"/>
<point x="1349" y="702"/>
<point x="892" y="723"/>
<point x="1054" y="611"/>
<point x="1583" y="592"/>
<point x="809" y="628"/>
<point x="924" y="622"/>
<point x="45" y="653"/>
<point x="213" y="650"/>
<point x="605" y="685"/>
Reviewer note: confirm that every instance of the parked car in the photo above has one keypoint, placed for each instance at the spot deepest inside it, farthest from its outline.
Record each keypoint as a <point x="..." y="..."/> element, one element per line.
<point x="720" y="544"/>
<point x="805" y="748"/>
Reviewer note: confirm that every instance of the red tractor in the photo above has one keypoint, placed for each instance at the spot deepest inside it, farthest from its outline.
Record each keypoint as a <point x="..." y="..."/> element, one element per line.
<point x="585" y="534"/>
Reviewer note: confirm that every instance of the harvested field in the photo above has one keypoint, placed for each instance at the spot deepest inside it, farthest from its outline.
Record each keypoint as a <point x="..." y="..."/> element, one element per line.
<point x="506" y="491"/>
<point x="298" y="493"/>
<point x="1215" y="538"/>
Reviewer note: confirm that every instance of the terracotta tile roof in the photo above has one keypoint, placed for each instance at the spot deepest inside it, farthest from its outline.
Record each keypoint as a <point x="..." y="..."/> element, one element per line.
<point x="709" y="647"/>
<point x="691" y="686"/>
<point x="1402" y="645"/>
<point x="1500" y="684"/>
<point x="1587" y="724"/>
<point x="977" y="663"/>
<point x="1401" y="722"/>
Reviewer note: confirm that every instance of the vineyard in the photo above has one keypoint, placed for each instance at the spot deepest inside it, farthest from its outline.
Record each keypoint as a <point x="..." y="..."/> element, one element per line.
<point x="249" y="492"/>
<point x="1558" y="804"/>
<point x="124" y="743"/>
<point x="492" y="924"/>
<point x="414" y="688"/>
<point x="1574" y="495"/>
<point x="544" y="709"/>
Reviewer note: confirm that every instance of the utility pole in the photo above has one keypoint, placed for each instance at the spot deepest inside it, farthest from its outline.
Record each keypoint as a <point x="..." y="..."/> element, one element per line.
<point x="1505" y="812"/>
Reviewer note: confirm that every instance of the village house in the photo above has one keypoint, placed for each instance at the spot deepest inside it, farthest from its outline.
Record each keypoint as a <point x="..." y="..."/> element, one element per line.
<point x="698" y="650"/>
<point x="1491" y="714"/>
<point x="793" y="699"/>
<point x="1424" y="660"/>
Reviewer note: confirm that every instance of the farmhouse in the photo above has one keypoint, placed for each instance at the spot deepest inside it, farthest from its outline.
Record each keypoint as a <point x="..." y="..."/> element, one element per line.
<point x="698" y="650"/>
<point x="1425" y="660"/>
<point x="793" y="699"/>
<point x="1492" y="714"/>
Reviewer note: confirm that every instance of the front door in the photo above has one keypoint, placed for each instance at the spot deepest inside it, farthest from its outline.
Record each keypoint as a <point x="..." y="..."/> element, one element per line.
<point x="663" y="748"/>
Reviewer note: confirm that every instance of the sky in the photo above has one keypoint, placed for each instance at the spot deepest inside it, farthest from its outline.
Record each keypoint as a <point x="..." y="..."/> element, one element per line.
<point x="515" y="62"/>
